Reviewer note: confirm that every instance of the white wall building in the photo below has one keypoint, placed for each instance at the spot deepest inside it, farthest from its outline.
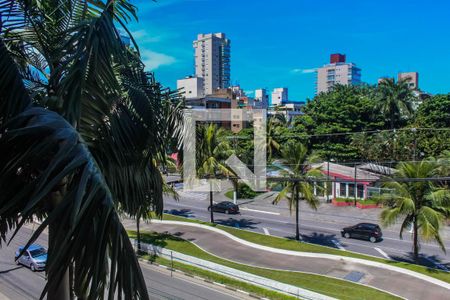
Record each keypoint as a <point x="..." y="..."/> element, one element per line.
<point x="338" y="71"/>
<point x="261" y="99"/>
<point x="191" y="87"/>
<point x="279" y="95"/>
<point x="212" y="61"/>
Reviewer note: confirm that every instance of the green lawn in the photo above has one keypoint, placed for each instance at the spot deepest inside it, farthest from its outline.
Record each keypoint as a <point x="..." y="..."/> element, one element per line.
<point x="329" y="286"/>
<point x="241" y="285"/>
<point x="283" y="243"/>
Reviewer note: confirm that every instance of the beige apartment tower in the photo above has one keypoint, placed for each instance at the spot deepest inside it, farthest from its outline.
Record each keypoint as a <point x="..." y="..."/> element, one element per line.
<point x="337" y="72"/>
<point x="212" y="61"/>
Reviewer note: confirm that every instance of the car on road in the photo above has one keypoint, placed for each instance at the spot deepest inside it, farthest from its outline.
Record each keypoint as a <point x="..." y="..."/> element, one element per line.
<point x="367" y="231"/>
<point x="226" y="207"/>
<point x="35" y="257"/>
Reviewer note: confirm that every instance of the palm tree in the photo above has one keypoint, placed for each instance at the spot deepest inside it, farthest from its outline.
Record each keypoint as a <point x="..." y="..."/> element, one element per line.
<point x="298" y="186"/>
<point x="212" y="149"/>
<point x="272" y="143"/>
<point x="84" y="121"/>
<point x="419" y="204"/>
<point x="394" y="100"/>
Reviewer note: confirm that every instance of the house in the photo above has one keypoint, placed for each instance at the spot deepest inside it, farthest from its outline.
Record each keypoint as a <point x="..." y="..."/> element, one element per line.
<point x="346" y="181"/>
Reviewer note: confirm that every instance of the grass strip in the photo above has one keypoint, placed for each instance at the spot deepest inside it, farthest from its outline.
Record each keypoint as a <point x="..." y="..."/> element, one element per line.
<point x="337" y="288"/>
<point x="287" y="244"/>
<point x="208" y="275"/>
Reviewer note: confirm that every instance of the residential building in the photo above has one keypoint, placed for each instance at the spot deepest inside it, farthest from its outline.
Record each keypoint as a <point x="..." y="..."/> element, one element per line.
<point x="261" y="99"/>
<point x="289" y="109"/>
<point x="191" y="87"/>
<point x="279" y="95"/>
<point x="338" y="71"/>
<point x="412" y="78"/>
<point x="212" y="61"/>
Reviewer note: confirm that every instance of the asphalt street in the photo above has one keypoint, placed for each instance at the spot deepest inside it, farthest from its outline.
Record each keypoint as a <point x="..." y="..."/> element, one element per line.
<point x="321" y="227"/>
<point x="18" y="282"/>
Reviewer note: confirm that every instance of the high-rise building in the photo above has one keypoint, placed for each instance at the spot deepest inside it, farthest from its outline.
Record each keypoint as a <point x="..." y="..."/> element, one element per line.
<point x="279" y="95"/>
<point x="191" y="87"/>
<point x="212" y="61"/>
<point x="412" y="78"/>
<point x="338" y="71"/>
<point x="261" y="99"/>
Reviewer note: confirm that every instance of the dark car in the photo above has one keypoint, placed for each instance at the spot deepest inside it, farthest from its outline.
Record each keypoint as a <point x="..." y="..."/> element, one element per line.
<point x="367" y="231"/>
<point x="225" y="207"/>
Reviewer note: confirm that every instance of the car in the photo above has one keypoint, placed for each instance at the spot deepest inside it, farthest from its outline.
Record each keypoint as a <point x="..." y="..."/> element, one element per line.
<point x="368" y="231"/>
<point x="35" y="257"/>
<point x="225" y="207"/>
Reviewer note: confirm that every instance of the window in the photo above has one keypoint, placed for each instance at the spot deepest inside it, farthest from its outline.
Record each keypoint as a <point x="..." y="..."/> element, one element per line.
<point x="342" y="188"/>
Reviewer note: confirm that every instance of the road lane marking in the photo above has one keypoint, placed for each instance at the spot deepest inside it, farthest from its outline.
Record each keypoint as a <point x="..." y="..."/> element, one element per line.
<point x="261" y="211"/>
<point x="337" y="244"/>
<point x="266" y="231"/>
<point x="383" y="253"/>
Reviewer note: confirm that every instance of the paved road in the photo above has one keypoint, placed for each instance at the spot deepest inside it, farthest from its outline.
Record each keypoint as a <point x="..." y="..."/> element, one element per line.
<point x="321" y="227"/>
<point x="398" y="283"/>
<point x="17" y="282"/>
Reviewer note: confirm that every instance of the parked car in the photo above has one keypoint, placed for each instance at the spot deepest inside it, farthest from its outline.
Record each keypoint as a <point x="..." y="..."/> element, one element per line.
<point x="35" y="257"/>
<point x="225" y="207"/>
<point x="368" y="231"/>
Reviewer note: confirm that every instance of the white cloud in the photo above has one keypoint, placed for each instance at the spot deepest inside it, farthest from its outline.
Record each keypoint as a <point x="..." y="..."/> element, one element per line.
<point x="249" y="92"/>
<point x="303" y="71"/>
<point x="153" y="60"/>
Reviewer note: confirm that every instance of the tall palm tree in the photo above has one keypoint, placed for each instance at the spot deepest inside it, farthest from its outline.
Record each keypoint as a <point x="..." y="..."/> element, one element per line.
<point x="88" y="147"/>
<point x="422" y="205"/>
<point x="212" y="149"/>
<point x="394" y="100"/>
<point x="299" y="186"/>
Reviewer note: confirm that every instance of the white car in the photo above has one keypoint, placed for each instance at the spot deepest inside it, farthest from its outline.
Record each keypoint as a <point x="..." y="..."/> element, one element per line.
<point x="35" y="257"/>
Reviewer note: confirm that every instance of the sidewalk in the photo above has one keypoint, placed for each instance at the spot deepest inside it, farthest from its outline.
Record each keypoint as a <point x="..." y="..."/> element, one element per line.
<point x="398" y="283"/>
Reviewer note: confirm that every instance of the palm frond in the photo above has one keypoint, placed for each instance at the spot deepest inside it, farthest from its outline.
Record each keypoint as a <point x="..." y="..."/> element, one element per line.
<point x="58" y="179"/>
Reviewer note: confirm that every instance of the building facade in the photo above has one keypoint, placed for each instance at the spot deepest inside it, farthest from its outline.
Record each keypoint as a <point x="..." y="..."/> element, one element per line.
<point x="261" y="99"/>
<point x="338" y="71"/>
<point x="279" y="95"/>
<point x="411" y="78"/>
<point x="212" y="61"/>
<point x="191" y="87"/>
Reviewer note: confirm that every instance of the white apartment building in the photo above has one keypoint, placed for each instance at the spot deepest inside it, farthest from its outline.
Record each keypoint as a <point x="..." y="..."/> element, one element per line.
<point x="337" y="72"/>
<point x="261" y="99"/>
<point x="191" y="87"/>
<point x="279" y="95"/>
<point x="212" y="61"/>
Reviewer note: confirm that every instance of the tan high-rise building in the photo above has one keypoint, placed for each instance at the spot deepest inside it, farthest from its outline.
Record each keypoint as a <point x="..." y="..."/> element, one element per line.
<point x="212" y="61"/>
<point x="337" y="72"/>
<point x="412" y="78"/>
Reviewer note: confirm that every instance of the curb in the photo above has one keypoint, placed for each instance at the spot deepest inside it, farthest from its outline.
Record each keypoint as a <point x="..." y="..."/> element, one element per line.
<point x="203" y="279"/>
<point x="311" y="254"/>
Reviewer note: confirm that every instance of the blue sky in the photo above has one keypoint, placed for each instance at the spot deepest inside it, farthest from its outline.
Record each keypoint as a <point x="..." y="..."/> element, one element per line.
<point x="277" y="43"/>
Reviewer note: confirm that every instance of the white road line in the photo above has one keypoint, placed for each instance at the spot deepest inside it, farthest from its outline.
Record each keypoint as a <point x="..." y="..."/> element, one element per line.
<point x="383" y="253"/>
<point x="266" y="231"/>
<point x="260" y="211"/>
<point x="337" y="244"/>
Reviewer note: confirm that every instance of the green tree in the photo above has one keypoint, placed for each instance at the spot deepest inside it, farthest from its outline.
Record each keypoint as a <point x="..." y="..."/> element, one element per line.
<point x="422" y="205"/>
<point x="433" y="116"/>
<point x="212" y="149"/>
<point x="298" y="185"/>
<point x="394" y="101"/>
<point x="330" y="115"/>
<point x="73" y="173"/>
